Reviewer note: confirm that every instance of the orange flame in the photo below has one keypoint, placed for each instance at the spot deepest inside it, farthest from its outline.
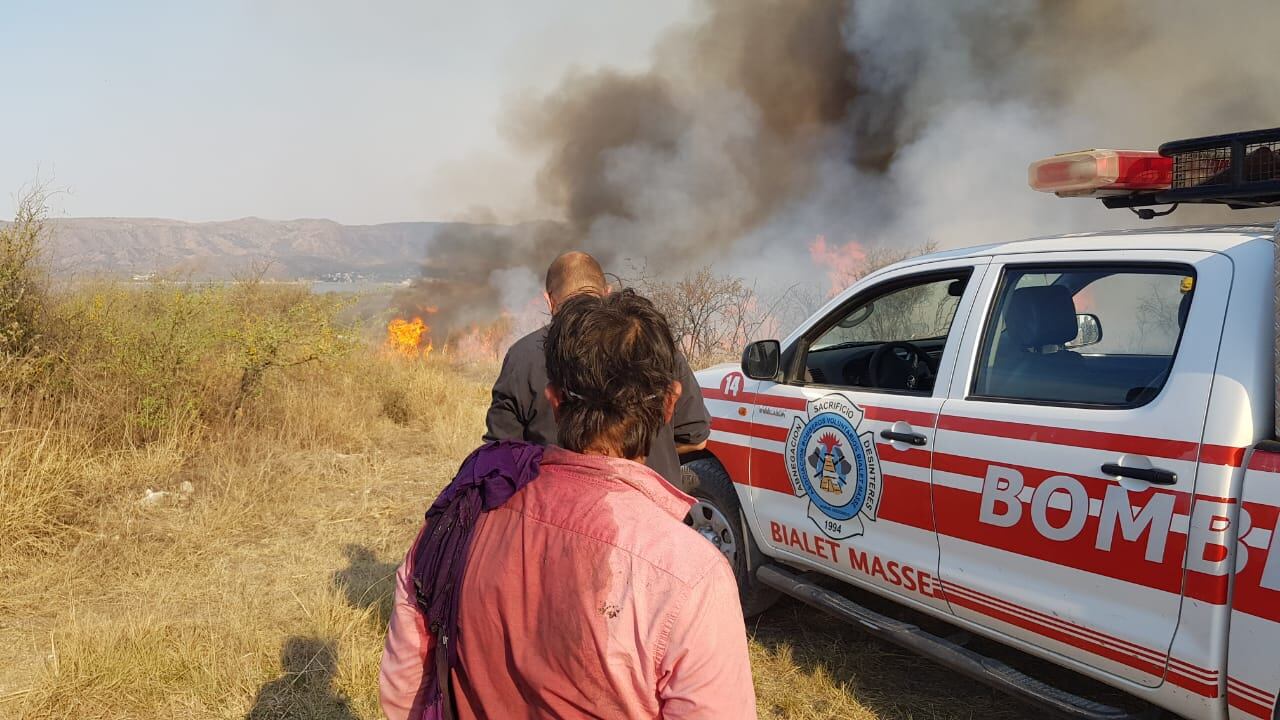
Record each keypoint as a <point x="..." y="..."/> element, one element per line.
<point x="488" y="341"/>
<point x="480" y="342"/>
<point x="408" y="338"/>
<point x="843" y="264"/>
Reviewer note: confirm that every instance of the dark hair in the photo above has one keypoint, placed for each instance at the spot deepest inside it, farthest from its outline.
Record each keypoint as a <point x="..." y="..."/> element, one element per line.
<point x="613" y="359"/>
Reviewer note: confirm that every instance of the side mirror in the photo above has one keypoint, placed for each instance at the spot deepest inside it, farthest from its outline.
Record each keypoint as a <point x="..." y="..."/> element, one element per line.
<point x="761" y="359"/>
<point x="1088" y="330"/>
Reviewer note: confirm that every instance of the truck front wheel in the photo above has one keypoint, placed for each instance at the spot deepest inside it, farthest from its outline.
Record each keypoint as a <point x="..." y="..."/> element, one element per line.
<point x="717" y="516"/>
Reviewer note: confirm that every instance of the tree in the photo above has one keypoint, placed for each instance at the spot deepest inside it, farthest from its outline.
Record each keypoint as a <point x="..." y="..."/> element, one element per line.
<point x="711" y="316"/>
<point x="22" y="287"/>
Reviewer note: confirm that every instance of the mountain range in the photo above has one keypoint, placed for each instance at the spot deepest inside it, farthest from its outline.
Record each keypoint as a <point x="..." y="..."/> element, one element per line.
<point x="290" y="249"/>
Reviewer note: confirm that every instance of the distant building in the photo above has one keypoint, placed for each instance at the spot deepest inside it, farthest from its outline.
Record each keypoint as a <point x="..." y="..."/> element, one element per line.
<point x="342" y="277"/>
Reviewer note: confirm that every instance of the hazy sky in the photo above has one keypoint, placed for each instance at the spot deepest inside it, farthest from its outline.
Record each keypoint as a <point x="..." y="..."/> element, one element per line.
<point x="357" y="111"/>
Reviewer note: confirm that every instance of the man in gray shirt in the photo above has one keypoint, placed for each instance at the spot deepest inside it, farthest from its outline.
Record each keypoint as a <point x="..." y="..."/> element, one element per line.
<point x="520" y="410"/>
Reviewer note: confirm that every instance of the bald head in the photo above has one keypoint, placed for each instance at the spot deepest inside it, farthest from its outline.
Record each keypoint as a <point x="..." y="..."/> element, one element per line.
<point x="572" y="273"/>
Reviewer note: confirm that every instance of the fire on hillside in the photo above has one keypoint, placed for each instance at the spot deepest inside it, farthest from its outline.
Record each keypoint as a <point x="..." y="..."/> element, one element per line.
<point x="408" y="338"/>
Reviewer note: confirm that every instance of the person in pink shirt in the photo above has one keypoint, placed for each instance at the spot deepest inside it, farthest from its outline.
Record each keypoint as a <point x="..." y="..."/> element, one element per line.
<point x="584" y="594"/>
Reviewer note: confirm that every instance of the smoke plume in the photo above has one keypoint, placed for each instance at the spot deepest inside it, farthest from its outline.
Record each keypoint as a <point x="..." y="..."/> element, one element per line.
<point x="762" y="124"/>
<point x="476" y="273"/>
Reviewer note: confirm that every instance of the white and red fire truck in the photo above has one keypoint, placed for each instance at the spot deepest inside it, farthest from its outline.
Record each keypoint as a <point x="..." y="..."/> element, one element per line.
<point x="1067" y="445"/>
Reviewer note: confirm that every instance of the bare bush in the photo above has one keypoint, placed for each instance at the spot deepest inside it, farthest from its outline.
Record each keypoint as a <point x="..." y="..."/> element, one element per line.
<point x="21" y="276"/>
<point x="711" y="316"/>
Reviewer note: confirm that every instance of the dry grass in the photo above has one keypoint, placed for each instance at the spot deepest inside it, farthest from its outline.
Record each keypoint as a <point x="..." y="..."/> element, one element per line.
<point x="808" y="666"/>
<point x="264" y="594"/>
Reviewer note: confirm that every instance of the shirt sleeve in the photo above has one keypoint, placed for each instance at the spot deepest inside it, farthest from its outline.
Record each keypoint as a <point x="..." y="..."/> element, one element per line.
<point x="691" y="422"/>
<point x="404" y="658"/>
<point x="506" y="419"/>
<point x="706" y="671"/>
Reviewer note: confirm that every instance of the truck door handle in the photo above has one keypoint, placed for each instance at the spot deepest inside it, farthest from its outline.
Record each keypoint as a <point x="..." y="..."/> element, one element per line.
<point x="1155" y="476"/>
<point x="909" y="438"/>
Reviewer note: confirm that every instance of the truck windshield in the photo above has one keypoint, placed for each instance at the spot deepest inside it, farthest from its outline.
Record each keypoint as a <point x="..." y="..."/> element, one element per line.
<point x="917" y="312"/>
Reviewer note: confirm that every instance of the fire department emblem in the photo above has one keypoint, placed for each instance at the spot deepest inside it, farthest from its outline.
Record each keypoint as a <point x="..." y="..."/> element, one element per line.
<point x="837" y="468"/>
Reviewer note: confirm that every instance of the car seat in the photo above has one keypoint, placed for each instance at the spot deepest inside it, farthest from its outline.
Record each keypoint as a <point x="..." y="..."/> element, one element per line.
<point x="1039" y="321"/>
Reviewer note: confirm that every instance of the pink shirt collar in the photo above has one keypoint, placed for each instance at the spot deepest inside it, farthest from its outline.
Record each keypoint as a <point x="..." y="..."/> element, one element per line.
<point x="637" y="476"/>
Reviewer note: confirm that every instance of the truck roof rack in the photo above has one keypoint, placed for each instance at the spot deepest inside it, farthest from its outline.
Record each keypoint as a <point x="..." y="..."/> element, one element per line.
<point x="1239" y="170"/>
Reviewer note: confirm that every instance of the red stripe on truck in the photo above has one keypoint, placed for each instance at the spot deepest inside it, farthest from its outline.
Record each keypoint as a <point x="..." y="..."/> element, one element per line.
<point x="1250" y="595"/>
<point x="1064" y="625"/>
<point x="1200" y="681"/>
<point x="1244" y="704"/>
<point x="735" y="459"/>
<point x="1239" y="686"/>
<point x="1265" y="461"/>
<point x="769" y="472"/>
<point x="910" y="456"/>
<point x="1125" y="560"/>
<point x="750" y="398"/>
<point x="742" y="427"/>
<point x="801" y="404"/>
<point x="909" y="502"/>
<point x="1032" y="476"/>
<point x="1222" y="455"/>
<point x="1137" y="444"/>
<point x="969" y="602"/>
<point x="1226" y="455"/>
<point x="916" y="418"/>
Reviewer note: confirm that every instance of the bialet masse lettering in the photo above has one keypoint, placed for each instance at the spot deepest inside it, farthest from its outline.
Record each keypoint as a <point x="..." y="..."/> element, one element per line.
<point x="895" y="573"/>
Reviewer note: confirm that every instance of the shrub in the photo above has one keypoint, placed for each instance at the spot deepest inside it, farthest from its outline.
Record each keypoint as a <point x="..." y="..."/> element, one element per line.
<point x="279" y="328"/>
<point x="21" y="277"/>
<point x="170" y="359"/>
<point x="712" y="316"/>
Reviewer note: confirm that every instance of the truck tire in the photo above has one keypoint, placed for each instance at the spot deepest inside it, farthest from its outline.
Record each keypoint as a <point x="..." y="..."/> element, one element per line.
<point x="717" y="516"/>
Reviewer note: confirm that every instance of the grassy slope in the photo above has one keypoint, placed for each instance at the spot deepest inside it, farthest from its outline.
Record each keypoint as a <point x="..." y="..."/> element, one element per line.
<point x="265" y="595"/>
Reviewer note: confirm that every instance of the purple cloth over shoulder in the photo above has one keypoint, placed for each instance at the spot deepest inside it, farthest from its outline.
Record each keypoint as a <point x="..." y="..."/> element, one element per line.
<point x="486" y="480"/>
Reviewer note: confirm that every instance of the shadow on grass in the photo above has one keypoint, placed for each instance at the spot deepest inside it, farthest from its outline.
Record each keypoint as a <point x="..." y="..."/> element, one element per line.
<point x="367" y="583"/>
<point x="886" y="680"/>
<point x="304" y="689"/>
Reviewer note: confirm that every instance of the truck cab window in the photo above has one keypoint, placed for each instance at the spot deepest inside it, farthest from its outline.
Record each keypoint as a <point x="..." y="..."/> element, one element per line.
<point x="890" y="341"/>
<point x="1091" y="335"/>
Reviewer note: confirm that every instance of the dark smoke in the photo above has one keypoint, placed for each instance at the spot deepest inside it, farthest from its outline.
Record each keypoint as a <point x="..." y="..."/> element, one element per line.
<point x="711" y="142"/>
<point x="474" y="272"/>
<point x="763" y="123"/>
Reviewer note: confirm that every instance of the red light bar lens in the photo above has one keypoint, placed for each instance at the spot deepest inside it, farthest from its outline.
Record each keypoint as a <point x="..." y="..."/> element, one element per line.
<point x="1101" y="172"/>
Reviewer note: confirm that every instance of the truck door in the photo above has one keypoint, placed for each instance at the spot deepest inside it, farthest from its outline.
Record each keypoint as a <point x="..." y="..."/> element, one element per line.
<point x="840" y="450"/>
<point x="1066" y="453"/>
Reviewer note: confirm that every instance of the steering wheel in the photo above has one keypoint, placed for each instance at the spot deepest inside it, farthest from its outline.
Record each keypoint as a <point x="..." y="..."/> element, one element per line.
<point x="900" y="366"/>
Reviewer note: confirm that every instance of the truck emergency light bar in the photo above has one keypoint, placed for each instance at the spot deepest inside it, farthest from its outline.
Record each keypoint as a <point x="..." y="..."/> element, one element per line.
<point x="1239" y="170"/>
